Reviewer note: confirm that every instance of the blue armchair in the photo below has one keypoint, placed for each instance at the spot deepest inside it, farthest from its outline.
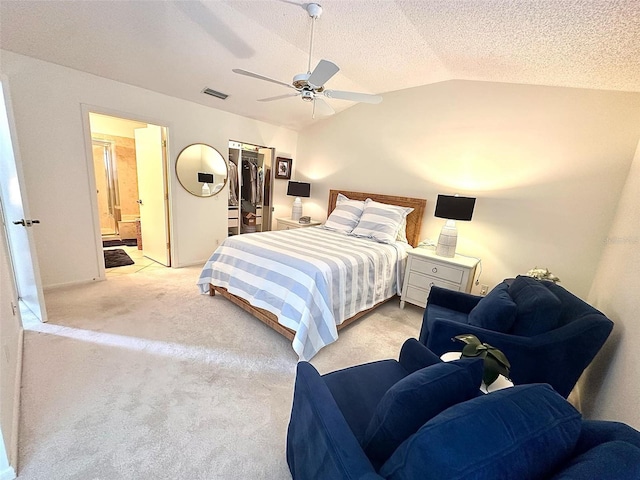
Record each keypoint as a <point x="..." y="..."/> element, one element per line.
<point x="548" y="334"/>
<point x="420" y="418"/>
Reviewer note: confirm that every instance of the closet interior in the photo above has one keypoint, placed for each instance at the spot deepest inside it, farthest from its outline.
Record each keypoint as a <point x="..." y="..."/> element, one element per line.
<point x="250" y="193"/>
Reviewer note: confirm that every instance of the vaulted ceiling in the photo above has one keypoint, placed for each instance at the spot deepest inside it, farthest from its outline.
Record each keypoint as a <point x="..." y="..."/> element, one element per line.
<point x="178" y="48"/>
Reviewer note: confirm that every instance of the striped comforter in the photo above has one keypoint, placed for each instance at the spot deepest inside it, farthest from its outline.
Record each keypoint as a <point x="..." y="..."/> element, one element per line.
<point x="312" y="278"/>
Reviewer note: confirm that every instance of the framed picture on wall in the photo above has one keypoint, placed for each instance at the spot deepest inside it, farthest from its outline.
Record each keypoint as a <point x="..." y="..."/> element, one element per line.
<point x="283" y="168"/>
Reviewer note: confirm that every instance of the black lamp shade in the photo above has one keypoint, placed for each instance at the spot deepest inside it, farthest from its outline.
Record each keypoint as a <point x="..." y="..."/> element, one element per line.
<point x="455" y="208"/>
<point x="205" y="177"/>
<point x="299" y="189"/>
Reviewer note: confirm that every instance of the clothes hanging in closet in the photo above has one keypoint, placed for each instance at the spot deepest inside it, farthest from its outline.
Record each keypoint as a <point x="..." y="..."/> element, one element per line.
<point x="250" y="181"/>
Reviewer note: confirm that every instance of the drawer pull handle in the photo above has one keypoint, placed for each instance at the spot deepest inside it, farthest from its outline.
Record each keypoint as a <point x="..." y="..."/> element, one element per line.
<point x="434" y="269"/>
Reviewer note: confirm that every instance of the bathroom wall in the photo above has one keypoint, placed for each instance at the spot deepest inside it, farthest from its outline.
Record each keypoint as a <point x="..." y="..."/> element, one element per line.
<point x="125" y="152"/>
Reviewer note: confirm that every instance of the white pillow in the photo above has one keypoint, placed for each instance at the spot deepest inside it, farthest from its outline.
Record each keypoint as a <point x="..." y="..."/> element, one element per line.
<point x="402" y="232"/>
<point x="381" y="222"/>
<point x="346" y="214"/>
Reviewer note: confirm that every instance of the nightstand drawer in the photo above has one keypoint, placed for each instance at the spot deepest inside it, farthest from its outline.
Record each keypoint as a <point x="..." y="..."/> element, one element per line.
<point x="425" y="269"/>
<point x="425" y="282"/>
<point x="418" y="296"/>
<point x="444" y="272"/>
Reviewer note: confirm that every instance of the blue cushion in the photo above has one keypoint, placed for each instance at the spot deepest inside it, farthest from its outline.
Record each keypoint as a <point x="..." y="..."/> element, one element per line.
<point x="357" y="390"/>
<point x="608" y="461"/>
<point x="496" y="311"/>
<point x="524" y="432"/>
<point x="415" y="399"/>
<point x="538" y="309"/>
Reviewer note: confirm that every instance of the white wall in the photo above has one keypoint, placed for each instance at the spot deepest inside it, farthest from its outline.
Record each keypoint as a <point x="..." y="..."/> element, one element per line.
<point x="114" y="126"/>
<point x="546" y="165"/>
<point x="52" y="131"/>
<point x="610" y="385"/>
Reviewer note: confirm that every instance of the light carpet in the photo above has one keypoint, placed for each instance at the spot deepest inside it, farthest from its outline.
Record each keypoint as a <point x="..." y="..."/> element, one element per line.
<point x="141" y="377"/>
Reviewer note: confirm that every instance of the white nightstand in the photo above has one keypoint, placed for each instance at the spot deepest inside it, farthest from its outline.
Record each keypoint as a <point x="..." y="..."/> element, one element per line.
<point x="288" y="224"/>
<point x="426" y="269"/>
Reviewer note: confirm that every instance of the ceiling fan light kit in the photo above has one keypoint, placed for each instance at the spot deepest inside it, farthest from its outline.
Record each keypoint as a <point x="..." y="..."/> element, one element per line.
<point x="309" y="85"/>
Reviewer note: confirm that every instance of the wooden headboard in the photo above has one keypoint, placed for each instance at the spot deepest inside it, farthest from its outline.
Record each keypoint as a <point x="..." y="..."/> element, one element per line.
<point x="414" y="219"/>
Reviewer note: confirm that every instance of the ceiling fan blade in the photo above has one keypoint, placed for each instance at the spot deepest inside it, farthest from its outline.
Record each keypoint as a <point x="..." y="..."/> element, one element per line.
<point x="279" y="97"/>
<point x="353" y="96"/>
<point x="323" y="72"/>
<point x="261" y="77"/>
<point x="322" y="107"/>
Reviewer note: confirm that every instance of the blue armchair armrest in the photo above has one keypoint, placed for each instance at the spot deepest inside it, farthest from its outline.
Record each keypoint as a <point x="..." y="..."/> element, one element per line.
<point x="320" y="444"/>
<point x="562" y="350"/>
<point x="414" y="356"/>
<point x="459" y="301"/>
<point x="597" y="432"/>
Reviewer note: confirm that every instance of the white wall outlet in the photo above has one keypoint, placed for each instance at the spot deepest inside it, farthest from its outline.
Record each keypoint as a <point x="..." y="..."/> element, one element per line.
<point x="484" y="289"/>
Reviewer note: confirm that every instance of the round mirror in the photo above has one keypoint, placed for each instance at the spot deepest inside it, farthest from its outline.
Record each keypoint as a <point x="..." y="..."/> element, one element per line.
<point x="201" y="170"/>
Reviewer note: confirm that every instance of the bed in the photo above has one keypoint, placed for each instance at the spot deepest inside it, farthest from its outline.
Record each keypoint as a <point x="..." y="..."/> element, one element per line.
<point x="309" y="283"/>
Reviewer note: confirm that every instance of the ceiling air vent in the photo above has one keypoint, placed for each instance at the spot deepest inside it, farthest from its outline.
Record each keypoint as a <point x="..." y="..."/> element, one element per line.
<point x="213" y="93"/>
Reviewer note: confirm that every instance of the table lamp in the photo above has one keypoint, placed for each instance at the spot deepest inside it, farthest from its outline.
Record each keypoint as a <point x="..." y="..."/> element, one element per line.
<point x="452" y="207"/>
<point x="298" y="189"/>
<point x="205" y="179"/>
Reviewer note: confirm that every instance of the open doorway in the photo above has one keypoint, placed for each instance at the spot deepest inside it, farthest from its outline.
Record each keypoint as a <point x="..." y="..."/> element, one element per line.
<point x="129" y="164"/>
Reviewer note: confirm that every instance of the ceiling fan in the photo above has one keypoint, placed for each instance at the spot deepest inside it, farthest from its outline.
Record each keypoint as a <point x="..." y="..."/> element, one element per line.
<point x="309" y="86"/>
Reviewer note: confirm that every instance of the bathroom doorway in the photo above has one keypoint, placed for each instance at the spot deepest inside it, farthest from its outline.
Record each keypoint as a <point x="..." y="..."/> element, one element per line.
<point x="129" y="164"/>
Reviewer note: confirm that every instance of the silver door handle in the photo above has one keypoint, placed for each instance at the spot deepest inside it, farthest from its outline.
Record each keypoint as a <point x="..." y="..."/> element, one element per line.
<point x="139" y="201"/>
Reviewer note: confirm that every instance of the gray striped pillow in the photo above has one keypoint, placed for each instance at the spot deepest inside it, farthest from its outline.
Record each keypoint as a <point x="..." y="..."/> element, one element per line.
<point x="346" y="214"/>
<point x="380" y="221"/>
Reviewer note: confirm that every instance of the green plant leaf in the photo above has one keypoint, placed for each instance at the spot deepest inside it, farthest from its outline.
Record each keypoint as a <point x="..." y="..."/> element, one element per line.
<point x="500" y="357"/>
<point x="468" y="338"/>
<point x="489" y="377"/>
<point x="491" y="372"/>
<point x="472" y="351"/>
<point x="493" y="365"/>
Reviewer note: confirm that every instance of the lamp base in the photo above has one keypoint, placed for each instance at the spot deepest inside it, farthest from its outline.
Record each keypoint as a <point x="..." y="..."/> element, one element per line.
<point x="296" y="210"/>
<point x="447" y="240"/>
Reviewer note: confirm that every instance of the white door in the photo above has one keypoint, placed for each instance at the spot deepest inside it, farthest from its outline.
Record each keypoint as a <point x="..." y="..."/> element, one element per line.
<point x="152" y="193"/>
<point x="18" y="222"/>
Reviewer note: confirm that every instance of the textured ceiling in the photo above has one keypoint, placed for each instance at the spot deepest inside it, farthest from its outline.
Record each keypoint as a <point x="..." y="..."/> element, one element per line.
<point x="178" y="48"/>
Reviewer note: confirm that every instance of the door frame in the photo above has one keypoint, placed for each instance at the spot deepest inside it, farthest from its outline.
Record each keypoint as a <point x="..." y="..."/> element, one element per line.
<point x="91" y="177"/>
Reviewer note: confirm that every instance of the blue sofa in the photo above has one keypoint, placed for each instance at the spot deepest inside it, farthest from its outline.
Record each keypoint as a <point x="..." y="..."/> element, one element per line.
<point x="420" y="418"/>
<point x="548" y="334"/>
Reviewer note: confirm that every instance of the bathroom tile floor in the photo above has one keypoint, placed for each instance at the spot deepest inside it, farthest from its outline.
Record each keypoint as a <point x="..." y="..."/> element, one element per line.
<point x="141" y="262"/>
